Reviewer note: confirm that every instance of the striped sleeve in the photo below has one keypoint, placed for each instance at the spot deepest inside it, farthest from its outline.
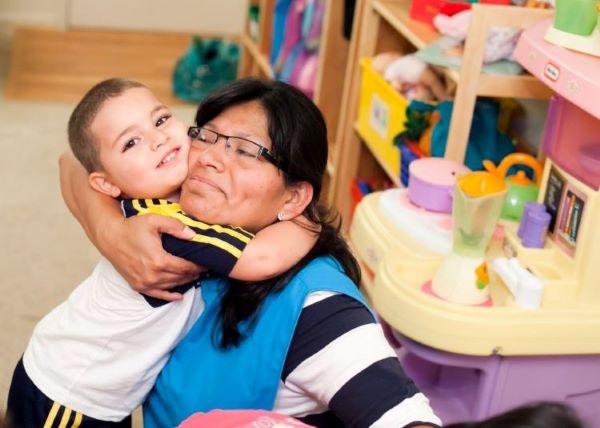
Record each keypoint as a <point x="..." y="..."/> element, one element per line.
<point x="216" y="247"/>
<point x="339" y="356"/>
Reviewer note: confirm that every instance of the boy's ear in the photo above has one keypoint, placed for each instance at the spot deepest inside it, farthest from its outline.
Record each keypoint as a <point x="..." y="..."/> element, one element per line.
<point x="100" y="183"/>
<point x="300" y="195"/>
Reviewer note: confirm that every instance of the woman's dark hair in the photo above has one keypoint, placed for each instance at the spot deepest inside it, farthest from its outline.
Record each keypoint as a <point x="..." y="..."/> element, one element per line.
<point x="537" y="415"/>
<point x="299" y="140"/>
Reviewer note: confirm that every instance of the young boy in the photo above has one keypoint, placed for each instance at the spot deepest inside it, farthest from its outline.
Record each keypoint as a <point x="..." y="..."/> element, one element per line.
<point x="91" y="361"/>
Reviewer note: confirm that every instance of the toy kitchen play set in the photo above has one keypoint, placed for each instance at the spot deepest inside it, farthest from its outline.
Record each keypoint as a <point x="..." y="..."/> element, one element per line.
<point x="490" y="286"/>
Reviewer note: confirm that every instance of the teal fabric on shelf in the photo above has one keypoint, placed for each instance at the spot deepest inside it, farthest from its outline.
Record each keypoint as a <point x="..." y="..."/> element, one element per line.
<point x="485" y="141"/>
<point x="207" y="65"/>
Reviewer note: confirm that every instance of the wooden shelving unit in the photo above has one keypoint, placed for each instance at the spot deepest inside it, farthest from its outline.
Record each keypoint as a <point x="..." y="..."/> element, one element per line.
<point x="254" y="60"/>
<point x="381" y="26"/>
<point x="333" y="51"/>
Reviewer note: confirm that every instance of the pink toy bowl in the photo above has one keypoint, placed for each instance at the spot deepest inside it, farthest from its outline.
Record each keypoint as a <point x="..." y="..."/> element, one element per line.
<point x="431" y="181"/>
<point x="241" y="419"/>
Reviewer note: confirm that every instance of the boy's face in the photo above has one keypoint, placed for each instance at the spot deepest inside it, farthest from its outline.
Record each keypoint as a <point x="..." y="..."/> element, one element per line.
<point x="143" y="148"/>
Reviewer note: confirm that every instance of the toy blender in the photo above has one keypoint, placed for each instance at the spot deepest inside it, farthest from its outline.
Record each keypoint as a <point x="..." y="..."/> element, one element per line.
<point x="576" y="26"/>
<point x="478" y="200"/>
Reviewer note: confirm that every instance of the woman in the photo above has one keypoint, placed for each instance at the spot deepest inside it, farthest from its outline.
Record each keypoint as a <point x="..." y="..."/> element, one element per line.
<point x="303" y="344"/>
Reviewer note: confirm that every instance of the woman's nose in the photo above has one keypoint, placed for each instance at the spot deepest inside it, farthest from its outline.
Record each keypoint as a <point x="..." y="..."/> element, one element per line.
<point x="212" y="156"/>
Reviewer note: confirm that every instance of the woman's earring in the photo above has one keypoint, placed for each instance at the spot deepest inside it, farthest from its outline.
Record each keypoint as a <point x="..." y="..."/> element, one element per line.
<point x="280" y="216"/>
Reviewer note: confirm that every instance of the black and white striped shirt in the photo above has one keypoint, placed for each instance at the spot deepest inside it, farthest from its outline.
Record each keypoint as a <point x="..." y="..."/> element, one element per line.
<point x="341" y="372"/>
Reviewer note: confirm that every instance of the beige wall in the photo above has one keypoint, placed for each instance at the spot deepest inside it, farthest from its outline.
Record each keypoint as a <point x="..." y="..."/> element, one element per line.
<point x="196" y="16"/>
<point x="34" y="12"/>
<point x="204" y="16"/>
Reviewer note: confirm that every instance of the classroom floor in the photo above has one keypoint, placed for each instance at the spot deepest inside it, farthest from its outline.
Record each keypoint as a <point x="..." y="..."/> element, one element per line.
<point x="45" y="253"/>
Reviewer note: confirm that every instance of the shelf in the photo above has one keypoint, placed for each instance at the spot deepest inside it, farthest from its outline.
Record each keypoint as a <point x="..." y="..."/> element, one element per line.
<point x="330" y="169"/>
<point x="417" y="33"/>
<point x="393" y="177"/>
<point x="383" y="25"/>
<point x="260" y="59"/>
<point x="522" y="86"/>
<point x="420" y="34"/>
<point x="255" y="60"/>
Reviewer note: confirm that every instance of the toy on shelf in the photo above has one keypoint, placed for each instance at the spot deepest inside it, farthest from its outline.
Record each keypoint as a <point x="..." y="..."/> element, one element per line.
<point x="500" y="42"/>
<point x="411" y="77"/>
<point x="431" y="183"/>
<point x="534" y="225"/>
<point x="520" y="188"/>
<point x="462" y="278"/>
<point x="576" y="26"/>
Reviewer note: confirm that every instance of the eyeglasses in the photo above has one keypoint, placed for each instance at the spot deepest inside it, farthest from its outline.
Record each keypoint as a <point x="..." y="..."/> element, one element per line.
<point x="242" y="148"/>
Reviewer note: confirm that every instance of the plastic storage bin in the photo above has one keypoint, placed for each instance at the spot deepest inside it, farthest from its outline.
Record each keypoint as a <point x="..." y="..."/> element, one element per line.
<point x="381" y="116"/>
<point x="425" y="10"/>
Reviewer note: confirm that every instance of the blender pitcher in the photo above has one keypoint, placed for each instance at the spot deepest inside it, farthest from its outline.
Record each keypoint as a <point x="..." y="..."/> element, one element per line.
<point x="477" y="203"/>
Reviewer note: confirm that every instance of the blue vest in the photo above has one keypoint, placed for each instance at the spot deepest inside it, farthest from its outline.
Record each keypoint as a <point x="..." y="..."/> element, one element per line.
<point x="201" y="377"/>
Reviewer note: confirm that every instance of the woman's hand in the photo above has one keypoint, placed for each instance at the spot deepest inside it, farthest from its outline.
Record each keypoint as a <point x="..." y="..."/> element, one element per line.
<point x="132" y="245"/>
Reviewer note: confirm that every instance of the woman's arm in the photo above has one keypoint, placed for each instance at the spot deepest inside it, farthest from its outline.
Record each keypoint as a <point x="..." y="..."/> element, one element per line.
<point x="339" y="356"/>
<point x="133" y="245"/>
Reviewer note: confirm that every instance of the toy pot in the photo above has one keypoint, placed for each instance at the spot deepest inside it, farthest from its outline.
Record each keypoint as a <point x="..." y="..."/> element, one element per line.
<point x="431" y="181"/>
<point x="520" y="188"/>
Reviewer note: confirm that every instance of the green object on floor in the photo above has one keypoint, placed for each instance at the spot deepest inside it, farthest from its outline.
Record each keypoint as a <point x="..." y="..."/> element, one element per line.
<point x="207" y="65"/>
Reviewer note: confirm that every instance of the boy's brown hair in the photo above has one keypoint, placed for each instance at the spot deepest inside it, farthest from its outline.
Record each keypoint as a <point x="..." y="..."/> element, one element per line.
<point x="82" y="141"/>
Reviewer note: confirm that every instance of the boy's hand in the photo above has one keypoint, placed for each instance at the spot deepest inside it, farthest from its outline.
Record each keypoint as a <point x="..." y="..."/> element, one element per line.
<point x="135" y="249"/>
<point x="133" y="245"/>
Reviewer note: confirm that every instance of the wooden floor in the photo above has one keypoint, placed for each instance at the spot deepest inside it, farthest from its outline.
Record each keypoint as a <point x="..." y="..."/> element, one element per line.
<point x="56" y="65"/>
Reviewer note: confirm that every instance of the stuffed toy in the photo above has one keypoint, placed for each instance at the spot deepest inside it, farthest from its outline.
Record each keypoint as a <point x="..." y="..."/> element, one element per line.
<point x="500" y="43"/>
<point x="410" y="76"/>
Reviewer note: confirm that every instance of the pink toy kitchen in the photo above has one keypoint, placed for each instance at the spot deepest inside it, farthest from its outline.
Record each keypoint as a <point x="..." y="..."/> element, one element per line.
<point x="491" y="306"/>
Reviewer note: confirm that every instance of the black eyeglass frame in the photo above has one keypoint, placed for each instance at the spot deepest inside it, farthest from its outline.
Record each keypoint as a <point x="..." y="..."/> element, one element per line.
<point x="194" y="133"/>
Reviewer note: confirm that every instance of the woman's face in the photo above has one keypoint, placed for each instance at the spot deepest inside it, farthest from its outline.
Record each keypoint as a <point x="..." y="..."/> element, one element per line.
<point x="222" y="190"/>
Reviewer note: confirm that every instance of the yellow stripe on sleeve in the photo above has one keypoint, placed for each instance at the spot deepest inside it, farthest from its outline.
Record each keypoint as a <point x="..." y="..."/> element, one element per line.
<point x="217" y="228"/>
<point x="173" y="210"/>
<point x="65" y="418"/>
<point x="137" y="206"/>
<point x="77" y="421"/>
<point x="219" y="243"/>
<point x="52" y="415"/>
